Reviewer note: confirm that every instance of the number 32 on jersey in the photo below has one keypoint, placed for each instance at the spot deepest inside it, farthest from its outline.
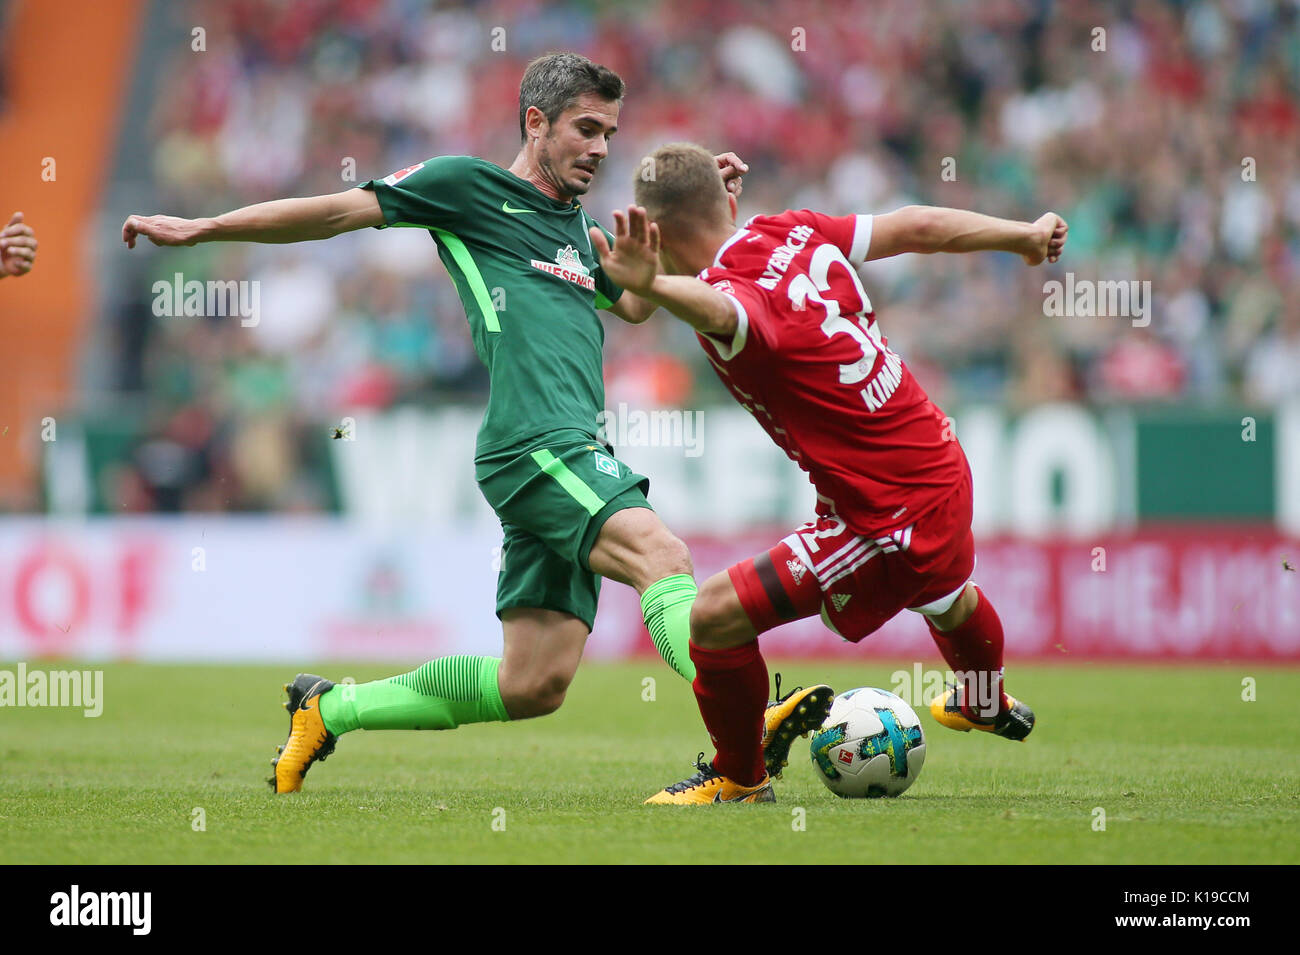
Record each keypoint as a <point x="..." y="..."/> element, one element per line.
<point x="805" y="287"/>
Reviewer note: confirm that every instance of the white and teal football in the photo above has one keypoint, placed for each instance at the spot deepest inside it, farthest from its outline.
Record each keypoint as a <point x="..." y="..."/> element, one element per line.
<point x="871" y="745"/>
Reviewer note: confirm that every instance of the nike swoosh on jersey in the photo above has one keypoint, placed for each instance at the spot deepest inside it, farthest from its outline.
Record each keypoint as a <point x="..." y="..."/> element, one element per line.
<point x="505" y="207"/>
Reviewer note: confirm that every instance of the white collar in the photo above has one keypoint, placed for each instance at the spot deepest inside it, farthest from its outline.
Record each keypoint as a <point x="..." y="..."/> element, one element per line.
<point x="735" y="237"/>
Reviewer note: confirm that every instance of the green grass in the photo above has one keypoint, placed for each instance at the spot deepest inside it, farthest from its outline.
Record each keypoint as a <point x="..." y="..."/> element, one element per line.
<point x="1185" y="770"/>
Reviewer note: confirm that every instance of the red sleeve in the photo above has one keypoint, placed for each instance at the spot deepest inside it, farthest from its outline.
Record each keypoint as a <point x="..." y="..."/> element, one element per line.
<point x="850" y="234"/>
<point x="755" y="329"/>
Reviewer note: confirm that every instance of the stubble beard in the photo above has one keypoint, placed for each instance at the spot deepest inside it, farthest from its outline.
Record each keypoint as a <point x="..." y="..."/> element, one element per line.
<point x="565" y="188"/>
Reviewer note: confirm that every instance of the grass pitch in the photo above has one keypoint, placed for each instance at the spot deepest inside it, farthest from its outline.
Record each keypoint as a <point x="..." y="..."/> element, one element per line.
<point x="1185" y="770"/>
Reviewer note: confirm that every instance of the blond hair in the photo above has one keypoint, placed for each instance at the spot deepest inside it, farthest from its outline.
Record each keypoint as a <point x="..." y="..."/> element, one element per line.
<point x="681" y="188"/>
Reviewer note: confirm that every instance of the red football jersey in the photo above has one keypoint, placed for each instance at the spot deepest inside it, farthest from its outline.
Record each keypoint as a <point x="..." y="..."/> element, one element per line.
<point x="809" y="362"/>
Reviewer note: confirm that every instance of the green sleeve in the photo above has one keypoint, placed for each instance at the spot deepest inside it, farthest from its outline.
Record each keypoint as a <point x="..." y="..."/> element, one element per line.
<point x="607" y="293"/>
<point x="432" y="194"/>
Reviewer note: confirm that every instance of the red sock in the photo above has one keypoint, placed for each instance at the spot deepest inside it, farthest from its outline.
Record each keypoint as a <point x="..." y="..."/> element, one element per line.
<point x="731" y="689"/>
<point x="974" y="652"/>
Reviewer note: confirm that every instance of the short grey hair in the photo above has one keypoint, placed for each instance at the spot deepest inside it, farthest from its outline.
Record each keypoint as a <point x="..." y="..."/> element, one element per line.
<point x="554" y="82"/>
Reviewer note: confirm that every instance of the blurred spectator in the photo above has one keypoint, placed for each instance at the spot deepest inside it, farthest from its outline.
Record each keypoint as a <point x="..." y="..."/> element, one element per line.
<point x="1174" y="152"/>
<point x="1273" y="366"/>
<point x="1139" y="367"/>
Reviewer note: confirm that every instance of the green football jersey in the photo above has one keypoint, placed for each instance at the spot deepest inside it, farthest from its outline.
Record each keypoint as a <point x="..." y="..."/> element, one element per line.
<point x="530" y="282"/>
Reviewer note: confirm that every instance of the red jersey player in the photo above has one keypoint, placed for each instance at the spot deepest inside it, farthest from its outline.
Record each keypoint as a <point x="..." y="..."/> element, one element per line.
<point x="784" y="319"/>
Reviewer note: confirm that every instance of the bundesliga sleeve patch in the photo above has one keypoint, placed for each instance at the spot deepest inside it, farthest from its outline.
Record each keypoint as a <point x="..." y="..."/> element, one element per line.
<point x="401" y="174"/>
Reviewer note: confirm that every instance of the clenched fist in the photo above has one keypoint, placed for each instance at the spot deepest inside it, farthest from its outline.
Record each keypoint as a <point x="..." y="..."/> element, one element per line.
<point x="17" y="247"/>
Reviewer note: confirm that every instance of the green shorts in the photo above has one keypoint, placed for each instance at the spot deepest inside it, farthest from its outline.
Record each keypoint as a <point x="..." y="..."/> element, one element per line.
<point x="552" y="498"/>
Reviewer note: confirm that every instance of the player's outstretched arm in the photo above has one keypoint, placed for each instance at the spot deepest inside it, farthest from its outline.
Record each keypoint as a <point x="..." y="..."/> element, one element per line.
<point x="696" y="303"/>
<point x="928" y="229"/>
<point x="632" y="308"/>
<point x="281" y="220"/>
<point x="633" y="263"/>
<point x="17" y="247"/>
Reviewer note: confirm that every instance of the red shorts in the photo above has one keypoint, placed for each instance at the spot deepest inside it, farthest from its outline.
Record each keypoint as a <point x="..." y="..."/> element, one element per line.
<point x="858" y="582"/>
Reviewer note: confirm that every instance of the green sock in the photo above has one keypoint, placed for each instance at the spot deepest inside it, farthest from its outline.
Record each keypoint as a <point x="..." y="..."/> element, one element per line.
<point x="440" y="695"/>
<point x="666" y="607"/>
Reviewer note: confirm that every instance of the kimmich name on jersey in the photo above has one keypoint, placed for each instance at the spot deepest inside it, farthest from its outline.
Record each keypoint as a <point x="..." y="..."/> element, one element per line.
<point x="808" y="360"/>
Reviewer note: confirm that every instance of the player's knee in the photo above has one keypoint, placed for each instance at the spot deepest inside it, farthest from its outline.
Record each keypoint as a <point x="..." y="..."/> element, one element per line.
<point x="636" y="548"/>
<point x="712" y="626"/>
<point x="533" y="704"/>
<point x="537" y="694"/>
<point x="675" y="556"/>
<point x="705" y="631"/>
<point x="551" y="690"/>
<point x="959" y="612"/>
<point x="544" y="702"/>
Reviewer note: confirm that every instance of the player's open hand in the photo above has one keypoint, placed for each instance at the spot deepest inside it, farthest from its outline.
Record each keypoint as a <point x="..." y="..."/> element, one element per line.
<point x="633" y="263"/>
<point x="1048" y="241"/>
<point x="732" y="168"/>
<point x="161" y="230"/>
<point x="17" y="247"/>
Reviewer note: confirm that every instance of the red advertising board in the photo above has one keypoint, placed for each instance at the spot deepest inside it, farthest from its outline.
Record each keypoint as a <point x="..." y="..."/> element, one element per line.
<point x="1201" y="593"/>
<point x="301" y="589"/>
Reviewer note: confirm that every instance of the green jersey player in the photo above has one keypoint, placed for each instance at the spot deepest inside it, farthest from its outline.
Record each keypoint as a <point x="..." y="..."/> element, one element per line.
<point x="517" y="245"/>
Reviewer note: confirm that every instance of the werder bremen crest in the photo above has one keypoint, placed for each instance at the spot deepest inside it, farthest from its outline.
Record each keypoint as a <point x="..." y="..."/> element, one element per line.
<point x="568" y="258"/>
<point x="568" y="266"/>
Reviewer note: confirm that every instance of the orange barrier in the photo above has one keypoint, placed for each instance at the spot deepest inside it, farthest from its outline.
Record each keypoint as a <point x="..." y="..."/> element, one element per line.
<point x="66" y="68"/>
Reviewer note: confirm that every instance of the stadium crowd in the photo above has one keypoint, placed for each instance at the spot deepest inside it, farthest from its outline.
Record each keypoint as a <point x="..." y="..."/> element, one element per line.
<point x="1170" y="140"/>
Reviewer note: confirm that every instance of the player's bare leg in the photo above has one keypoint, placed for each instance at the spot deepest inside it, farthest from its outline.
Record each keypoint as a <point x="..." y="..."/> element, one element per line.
<point x="960" y="611"/>
<point x="635" y="548"/>
<point x="542" y="652"/>
<point x="969" y="635"/>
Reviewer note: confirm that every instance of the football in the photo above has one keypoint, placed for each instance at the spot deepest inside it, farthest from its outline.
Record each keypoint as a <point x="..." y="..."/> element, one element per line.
<point x="870" y="745"/>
